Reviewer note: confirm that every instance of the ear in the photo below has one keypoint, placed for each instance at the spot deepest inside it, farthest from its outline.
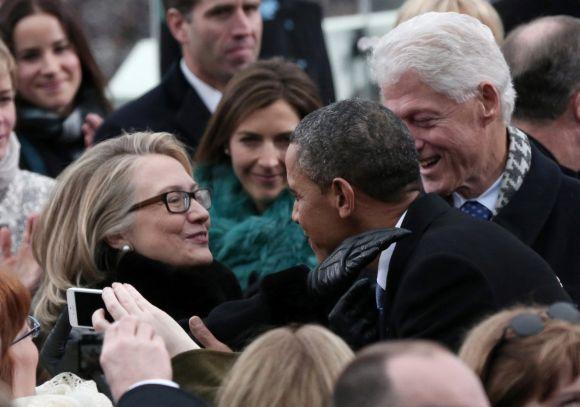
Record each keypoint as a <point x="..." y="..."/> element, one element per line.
<point x="176" y="23"/>
<point x="490" y="102"/>
<point x="343" y="197"/>
<point x="117" y="241"/>
<point x="575" y="102"/>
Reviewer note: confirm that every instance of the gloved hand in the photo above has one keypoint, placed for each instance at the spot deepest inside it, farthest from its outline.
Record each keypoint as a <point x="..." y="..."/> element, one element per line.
<point x="355" y="316"/>
<point x="335" y="274"/>
<point x="53" y="353"/>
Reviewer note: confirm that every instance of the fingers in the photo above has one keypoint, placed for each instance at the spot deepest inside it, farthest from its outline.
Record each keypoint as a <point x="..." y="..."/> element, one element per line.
<point x="89" y="128"/>
<point x="204" y="336"/>
<point x="126" y="300"/>
<point x="100" y="324"/>
<point x="31" y="222"/>
<point x="113" y="305"/>
<point x="5" y="242"/>
<point x="139" y="299"/>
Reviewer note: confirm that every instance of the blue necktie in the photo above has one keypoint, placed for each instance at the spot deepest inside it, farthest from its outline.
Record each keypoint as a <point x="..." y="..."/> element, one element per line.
<point x="476" y="210"/>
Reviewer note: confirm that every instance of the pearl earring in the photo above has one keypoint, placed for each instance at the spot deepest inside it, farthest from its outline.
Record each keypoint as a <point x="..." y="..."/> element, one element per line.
<point x="126" y="248"/>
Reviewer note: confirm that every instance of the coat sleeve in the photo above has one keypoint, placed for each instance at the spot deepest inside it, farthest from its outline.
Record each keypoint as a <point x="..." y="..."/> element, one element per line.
<point x="157" y="395"/>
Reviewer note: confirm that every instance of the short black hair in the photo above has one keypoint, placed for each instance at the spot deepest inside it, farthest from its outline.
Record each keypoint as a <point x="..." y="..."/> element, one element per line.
<point x="361" y="141"/>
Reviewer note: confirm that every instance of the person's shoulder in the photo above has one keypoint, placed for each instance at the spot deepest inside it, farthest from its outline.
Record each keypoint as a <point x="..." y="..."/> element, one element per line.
<point x="158" y="395"/>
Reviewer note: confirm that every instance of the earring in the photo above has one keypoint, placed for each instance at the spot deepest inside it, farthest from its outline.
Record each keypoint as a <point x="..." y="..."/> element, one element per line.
<point x="126" y="248"/>
<point x="227" y="151"/>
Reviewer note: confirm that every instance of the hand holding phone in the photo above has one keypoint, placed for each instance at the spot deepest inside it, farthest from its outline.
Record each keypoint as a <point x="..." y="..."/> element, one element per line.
<point x="82" y="303"/>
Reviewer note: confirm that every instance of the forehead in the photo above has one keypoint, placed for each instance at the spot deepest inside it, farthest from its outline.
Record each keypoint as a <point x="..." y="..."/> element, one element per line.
<point x="204" y="5"/>
<point x="411" y="95"/>
<point x="155" y="173"/>
<point x="41" y="26"/>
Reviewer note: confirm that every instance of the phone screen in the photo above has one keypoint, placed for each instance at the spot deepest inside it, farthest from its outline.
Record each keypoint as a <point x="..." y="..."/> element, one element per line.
<point x="86" y="305"/>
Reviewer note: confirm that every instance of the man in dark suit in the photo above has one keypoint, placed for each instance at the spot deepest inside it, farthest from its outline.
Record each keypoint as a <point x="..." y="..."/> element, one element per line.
<point x="452" y="87"/>
<point x="360" y="172"/>
<point x="217" y="39"/>
<point x="546" y="74"/>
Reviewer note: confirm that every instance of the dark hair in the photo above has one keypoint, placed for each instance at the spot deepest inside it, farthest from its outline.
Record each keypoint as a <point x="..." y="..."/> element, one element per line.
<point x="12" y="11"/>
<point x="545" y="70"/>
<point x="362" y="142"/>
<point x="256" y="87"/>
<point x="183" y="6"/>
<point x="14" y="307"/>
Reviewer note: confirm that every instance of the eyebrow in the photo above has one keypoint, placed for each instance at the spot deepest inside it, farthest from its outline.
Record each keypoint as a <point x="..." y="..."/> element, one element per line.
<point x="179" y="188"/>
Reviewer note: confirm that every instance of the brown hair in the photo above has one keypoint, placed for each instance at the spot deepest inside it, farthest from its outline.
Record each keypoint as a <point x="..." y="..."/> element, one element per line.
<point x="286" y="367"/>
<point x="14" y="307"/>
<point x="520" y="369"/>
<point x="183" y="6"/>
<point x="13" y="11"/>
<point x="256" y="87"/>
<point x="480" y="9"/>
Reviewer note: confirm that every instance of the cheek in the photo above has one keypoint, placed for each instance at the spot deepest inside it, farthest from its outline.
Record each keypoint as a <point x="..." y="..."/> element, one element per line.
<point x="25" y="73"/>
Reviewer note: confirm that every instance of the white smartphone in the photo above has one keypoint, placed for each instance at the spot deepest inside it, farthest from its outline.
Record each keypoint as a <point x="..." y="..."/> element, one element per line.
<point x="82" y="303"/>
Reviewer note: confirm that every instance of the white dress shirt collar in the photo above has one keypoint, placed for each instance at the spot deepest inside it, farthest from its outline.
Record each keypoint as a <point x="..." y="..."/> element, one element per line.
<point x="385" y="258"/>
<point x="487" y="199"/>
<point x="209" y="95"/>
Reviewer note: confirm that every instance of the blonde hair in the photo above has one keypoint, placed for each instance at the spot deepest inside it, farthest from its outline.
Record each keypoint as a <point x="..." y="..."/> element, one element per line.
<point x="286" y="367"/>
<point x="7" y="65"/>
<point x="518" y="369"/>
<point x="90" y="201"/>
<point x="480" y="9"/>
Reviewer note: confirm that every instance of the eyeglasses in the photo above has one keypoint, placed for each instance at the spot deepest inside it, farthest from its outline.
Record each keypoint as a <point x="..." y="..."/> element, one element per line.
<point x="178" y="201"/>
<point x="33" y="329"/>
<point x="527" y="324"/>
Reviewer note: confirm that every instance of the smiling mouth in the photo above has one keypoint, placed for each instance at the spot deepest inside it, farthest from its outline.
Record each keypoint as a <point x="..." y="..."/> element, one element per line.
<point x="268" y="177"/>
<point x="200" y="238"/>
<point x="429" y="162"/>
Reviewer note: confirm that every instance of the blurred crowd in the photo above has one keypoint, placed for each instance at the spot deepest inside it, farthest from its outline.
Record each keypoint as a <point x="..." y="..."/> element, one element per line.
<point x="248" y="241"/>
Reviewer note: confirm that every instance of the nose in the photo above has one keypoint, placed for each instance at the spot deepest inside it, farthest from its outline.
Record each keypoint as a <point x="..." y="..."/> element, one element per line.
<point x="197" y="213"/>
<point x="419" y="144"/>
<point x="242" y="25"/>
<point x="49" y="64"/>
<point x="270" y="157"/>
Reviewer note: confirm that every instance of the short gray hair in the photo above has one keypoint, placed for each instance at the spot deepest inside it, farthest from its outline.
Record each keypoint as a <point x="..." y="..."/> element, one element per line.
<point x="362" y="142"/>
<point x="545" y="67"/>
<point x="452" y="53"/>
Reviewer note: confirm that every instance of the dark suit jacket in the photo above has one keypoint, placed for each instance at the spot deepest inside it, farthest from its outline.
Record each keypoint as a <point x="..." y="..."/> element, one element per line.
<point x="172" y="106"/>
<point x="545" y="214"/>
<point x="454" y="269"/>
<point x="156" y="395"/>
<point x="516" y="12"/>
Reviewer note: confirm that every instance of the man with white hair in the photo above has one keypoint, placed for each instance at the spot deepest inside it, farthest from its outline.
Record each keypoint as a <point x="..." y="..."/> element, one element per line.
<point x="445" y="76"/>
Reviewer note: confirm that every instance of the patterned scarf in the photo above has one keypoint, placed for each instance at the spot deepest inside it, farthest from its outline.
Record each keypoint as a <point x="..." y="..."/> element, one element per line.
<point x="517" y="166"/>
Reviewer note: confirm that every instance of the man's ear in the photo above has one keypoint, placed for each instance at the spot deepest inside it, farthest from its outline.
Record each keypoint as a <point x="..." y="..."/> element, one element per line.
<point x="490" y="102"/>
<point x="575" y="102"/>
<point x="343" y="197"/>
<point x="116" y="241"/>
<point x="176" y="22"/>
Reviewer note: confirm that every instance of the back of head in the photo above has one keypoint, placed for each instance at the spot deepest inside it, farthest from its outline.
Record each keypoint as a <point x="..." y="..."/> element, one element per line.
<point x="517" y="369"/>
<point x="256" y="87"/>
<point x="362" y="142"/>
<point x="544" y="57"/>
<point x="452" y="53"/>
<point x="286" y="367"/>
<point x="480" y="9"/>
<point x="410" y="374"/>
<point x="14" y="307"/>
<point x="91" y="201"/>
<point x="13" y="11"/>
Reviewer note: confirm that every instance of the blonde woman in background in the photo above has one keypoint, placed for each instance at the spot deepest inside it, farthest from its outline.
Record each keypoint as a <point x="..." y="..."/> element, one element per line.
<point x="528" y="356"/>
<point x="286" y="367"/>
<point x="480" y="9"/>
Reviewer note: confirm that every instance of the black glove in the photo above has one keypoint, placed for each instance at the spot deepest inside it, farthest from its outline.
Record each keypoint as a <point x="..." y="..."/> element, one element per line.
<point x="355" y="316"/>
<point x="335" y="274"/>
<point x="53" y="355"/>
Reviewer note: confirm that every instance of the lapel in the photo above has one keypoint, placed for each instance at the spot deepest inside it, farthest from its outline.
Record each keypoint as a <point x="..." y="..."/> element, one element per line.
<point x="191" y="113"/>
<point x="527" y="212"/>
<point x="420" y="215"/>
